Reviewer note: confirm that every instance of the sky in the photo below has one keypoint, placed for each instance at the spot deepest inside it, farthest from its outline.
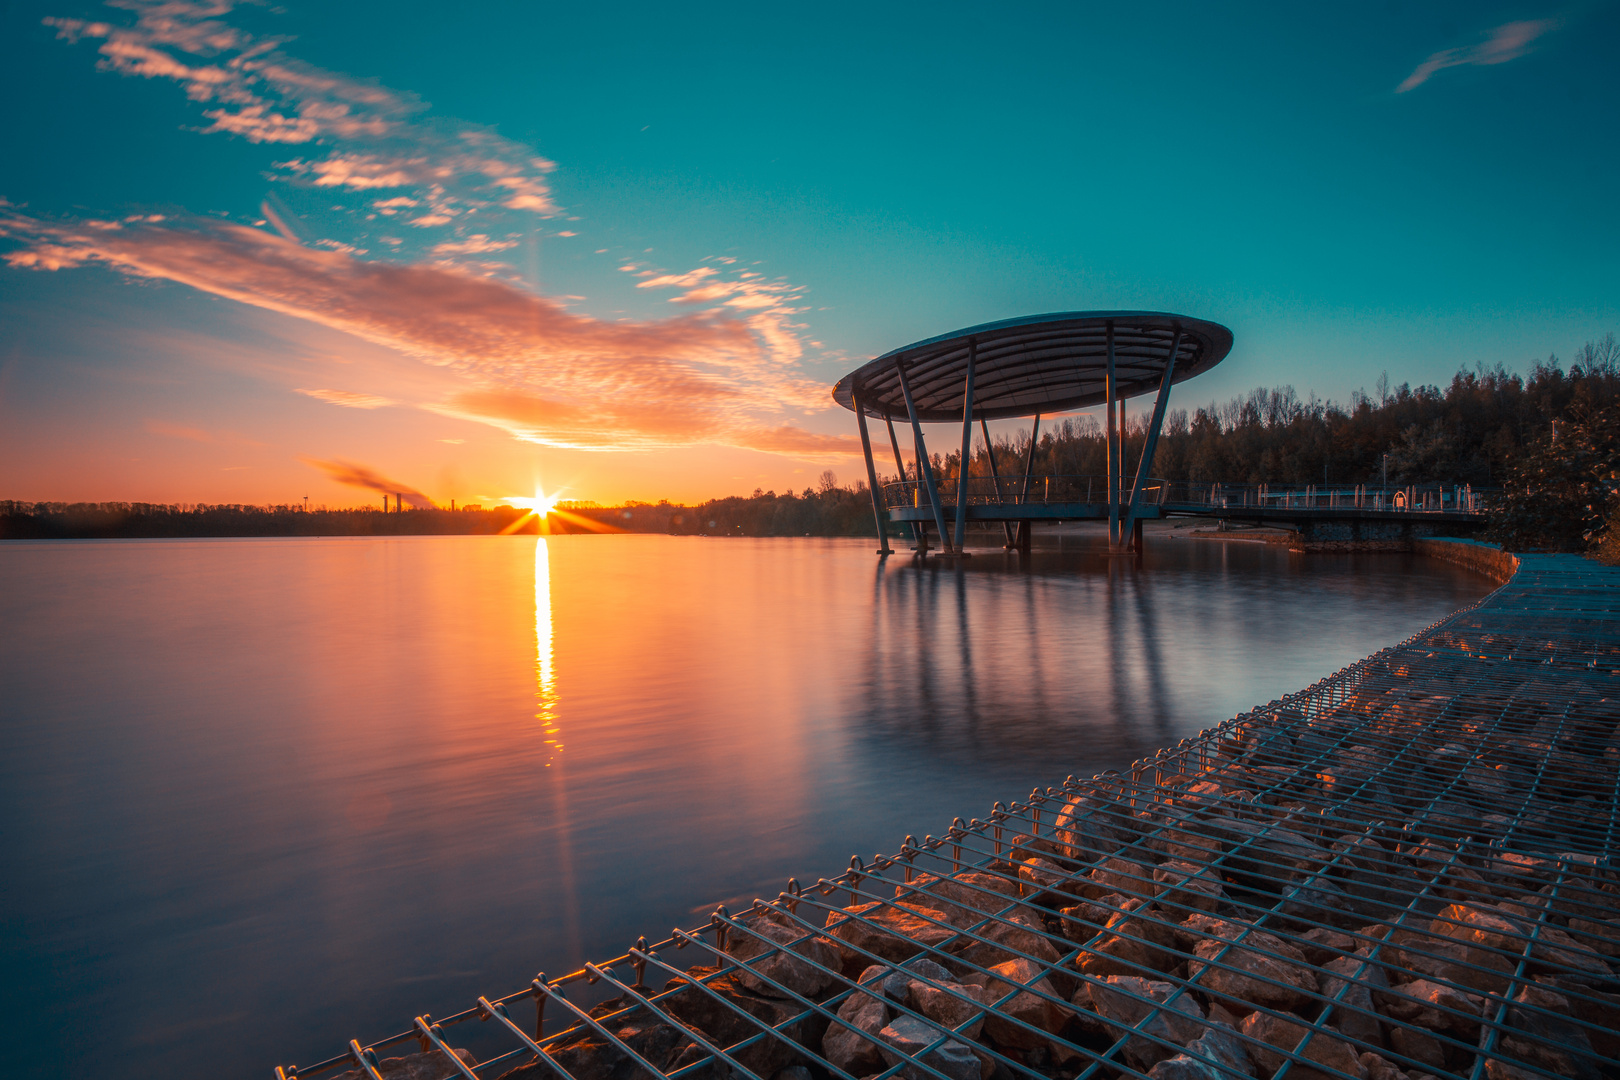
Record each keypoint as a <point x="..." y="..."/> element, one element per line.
<point x="258" y="252"/>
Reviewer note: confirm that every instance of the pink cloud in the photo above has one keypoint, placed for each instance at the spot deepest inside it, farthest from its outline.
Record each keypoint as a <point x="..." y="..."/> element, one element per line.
<point x="348" y="399"/>
<point x="1506" y="42"/>
<point x="528" y="365"/>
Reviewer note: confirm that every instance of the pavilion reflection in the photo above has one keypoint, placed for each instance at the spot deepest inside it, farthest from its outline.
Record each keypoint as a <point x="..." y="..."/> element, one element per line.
<point x="993" y="659"/>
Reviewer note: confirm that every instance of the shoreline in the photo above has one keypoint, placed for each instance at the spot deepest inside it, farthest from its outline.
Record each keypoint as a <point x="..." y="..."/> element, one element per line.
<point x="1371" y="878"/>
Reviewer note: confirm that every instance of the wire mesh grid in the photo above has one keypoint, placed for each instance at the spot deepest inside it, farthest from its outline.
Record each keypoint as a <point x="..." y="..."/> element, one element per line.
<point x="1402" y="870"/>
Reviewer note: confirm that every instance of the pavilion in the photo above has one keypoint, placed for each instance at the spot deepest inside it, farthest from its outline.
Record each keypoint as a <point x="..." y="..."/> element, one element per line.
<point x="1030" y="366"/>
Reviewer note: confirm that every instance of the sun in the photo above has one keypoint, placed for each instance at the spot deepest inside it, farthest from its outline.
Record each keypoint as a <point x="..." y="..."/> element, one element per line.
<point x="541" y="506"/>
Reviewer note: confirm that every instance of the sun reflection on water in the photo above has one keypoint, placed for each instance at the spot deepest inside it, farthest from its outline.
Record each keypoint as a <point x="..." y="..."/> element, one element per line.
<point x="545" y="678"/>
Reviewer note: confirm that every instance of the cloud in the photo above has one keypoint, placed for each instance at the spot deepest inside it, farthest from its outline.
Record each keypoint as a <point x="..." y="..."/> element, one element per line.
<point x="179" y="431"/>
<point x="527" y="364"/>
<point x="1506" y="42"/>
<point x="475" y="244"/>
<point x="360" y="476"/>
<point x="347" y="399"/>
<point x="377" y="137"/>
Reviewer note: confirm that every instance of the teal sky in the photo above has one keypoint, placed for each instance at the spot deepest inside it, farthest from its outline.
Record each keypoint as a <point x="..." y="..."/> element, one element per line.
<point x="625" y="249"/>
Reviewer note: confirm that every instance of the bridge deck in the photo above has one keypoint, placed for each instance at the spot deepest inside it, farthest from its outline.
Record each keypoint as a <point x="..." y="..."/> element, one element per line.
<point x="1410" y="864"/>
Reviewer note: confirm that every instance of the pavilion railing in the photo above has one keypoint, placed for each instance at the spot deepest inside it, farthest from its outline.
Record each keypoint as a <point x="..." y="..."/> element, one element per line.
<point x="1093" y="489"/>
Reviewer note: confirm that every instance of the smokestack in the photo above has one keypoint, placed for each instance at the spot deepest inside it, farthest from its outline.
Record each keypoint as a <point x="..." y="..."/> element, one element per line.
<point x="397" y="503"/>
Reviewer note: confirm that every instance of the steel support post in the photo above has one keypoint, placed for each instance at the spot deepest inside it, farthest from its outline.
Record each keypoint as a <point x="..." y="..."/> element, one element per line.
<point x="1109" y="388"/>
<point x="924" y="469"/>
<point x="871" y="476"/>
<point x="995" y="475"/>
<point x="1029" y="458"/>
<point x="900" y="468"/>
<point x="1152" y="444"/>
<point x="967" y="447"/>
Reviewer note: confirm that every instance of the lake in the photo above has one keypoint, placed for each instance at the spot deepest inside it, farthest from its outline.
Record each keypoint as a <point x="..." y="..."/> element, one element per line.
<point x="264" y="795"/>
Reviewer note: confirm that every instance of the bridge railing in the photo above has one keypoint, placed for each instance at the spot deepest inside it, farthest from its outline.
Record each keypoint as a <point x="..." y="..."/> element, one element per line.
<point x="983" y="491"/>
<point x="1412" y="498"/>
<point x="1082" y="488"/>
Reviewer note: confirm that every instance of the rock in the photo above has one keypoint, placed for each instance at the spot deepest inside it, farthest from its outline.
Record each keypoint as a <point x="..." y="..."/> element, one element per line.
<point x="850" y="1050"/>
<point x="1036" y="1002"/>
<point x="1046" y="882"/>
<point x="1318" y="899"/>
<point x="1090" y="827"/>
<point x="1283" y="1033"/>
<point x="907" y="1035"/>
<point x="1323" y="944"/>
<point x="1217" y="1055"/>
<point x="738" y="1015"/>
<point x="432" y="1065"/>
<point x="1355" y="1015"/>
<point x="1379" y="1068"/>
<point x="1181" y="887"/>
<point x="1417" y="1046"/>
<point x="1018" y="934"/>
<point x="591" y="1057"/>
<point x="1543" y="1035"/>
<point x="816" y="972"/>
<point x="1138" y="942"/>
<point x="1086" y="920"/>
<point x="1126" y="1000"/>
<point x="1129" y="879"/>
<point x="793" y="1072"/>
<point x="1262" y="970"/>
<point x="1435" y="1007"/>
<point x="958" y="1007"/>
<point x="965" y="898"/>
<point x="1273" y="857"/>
<point x="1444" y="959"/>
<point x="897" y="984"/>
<point x="886" y="931"/>
<point x="1600" y="935"/>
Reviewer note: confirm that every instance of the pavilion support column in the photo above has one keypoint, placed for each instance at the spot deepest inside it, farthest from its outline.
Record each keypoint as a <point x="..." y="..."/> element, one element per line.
<point x="900" y="470"/>
<point x="1111" y="389"/>
<point x="871" y="477"/>
<point x="995" y="476"/>
<point x="1029" y="458"/>
<point x="925" y="470"/>
<point x="1152" y="444"/>
<point x="967" y="447"/>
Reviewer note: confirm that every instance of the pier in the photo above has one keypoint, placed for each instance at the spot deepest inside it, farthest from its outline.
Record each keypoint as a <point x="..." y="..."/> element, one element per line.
<point x="1405" y="869"/>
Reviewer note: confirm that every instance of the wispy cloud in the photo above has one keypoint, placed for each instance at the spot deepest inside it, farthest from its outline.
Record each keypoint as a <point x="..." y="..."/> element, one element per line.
<point x="348" y="399"/>
<point x="1506" y="42"/>
<point x="528" y="365"/>
<point x="379" y="138"/>
<point x="362" y="477"/>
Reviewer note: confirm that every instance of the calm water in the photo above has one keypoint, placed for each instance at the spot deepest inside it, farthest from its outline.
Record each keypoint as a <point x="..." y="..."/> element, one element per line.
<point x="260" y="796"/>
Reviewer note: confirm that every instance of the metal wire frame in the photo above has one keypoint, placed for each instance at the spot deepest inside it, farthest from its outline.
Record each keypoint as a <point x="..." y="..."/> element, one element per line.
<point x="1303" y="849"/>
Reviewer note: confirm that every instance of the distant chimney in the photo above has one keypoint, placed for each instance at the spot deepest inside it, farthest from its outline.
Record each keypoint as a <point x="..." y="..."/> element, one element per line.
<point x="397" y="506"/>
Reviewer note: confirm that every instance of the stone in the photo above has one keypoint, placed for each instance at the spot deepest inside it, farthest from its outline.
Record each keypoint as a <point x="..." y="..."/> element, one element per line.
<point x="1318" y="899"/>
<point x="1126" y="1000"/>
<point x="431" y="1065"/>
<point x="1087" y="919"/>
<point x="1262" y="970"/>
<point x="814" y="973"/>
<point x="907" y="1035"/>
<point x="1046" y="881"/>
<point x="1036" y="1001"/>
<point x="1091" y="827"/>
<point x="849" y="1050"/>
<point x="1018" y="934"/>
<point x="1275" y="856"/>
<point x="1324" y="943"/>
<point x="739" y="1014"/>
<point x="793" y="1072"/>
<point x="1217" y="1055"/>
<point x="1355" y="1015"/>
<point x="1274" y="1034"/>
<point x="1419" y="1046"/>
<point x="591" y="1057"/>
<point x="1537" y="1030"/>
<point x="1129" y="879"/>
<point x="886" y="931"/>
<point x="1376" y="1067"/>
<point x="897" y="984"/>
<point x="964" y="898"/>
<point x="1436" y="1007"/>
<point x="956" y="1006"/>
<point x="1182" y="887"/>
<point x="1138" y="935"/>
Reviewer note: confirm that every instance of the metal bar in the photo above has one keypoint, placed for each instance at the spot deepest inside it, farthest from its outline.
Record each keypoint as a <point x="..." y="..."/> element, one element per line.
<point x="995" y="475"/>
<point x="899" y="468"/>
<point x="1111" y="389"/>
<point x="1029" y="458"/>
<point x="1152" y="443"/>
<point x="871" y="477"/>
<point x="967" y="446"/>
<point x="925" y="470"/>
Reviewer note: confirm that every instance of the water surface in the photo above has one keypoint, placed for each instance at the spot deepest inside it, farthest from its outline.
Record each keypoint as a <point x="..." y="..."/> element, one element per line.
<point x="260" y="796"/>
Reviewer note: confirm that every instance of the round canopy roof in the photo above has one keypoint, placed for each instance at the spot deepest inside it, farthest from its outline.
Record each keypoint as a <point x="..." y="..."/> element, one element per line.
<point x="1036" y="364"/>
